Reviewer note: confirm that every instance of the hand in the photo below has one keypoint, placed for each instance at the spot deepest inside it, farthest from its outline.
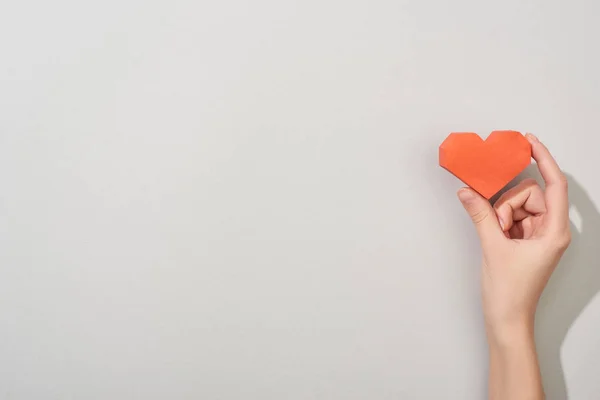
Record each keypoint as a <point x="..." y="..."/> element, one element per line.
<point x="523" y="238"/>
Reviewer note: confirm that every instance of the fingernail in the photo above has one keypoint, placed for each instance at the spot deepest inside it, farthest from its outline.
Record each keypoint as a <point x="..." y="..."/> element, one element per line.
<point x="532" y="138"/>
<point x="465" y="195"/>
<point x="501" y="223"/>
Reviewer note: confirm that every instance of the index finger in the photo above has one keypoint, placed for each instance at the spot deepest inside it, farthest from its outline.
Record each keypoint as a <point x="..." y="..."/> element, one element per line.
<point x="557" y="195"/>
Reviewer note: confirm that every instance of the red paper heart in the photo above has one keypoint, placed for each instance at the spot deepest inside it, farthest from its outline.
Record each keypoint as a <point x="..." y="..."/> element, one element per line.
<point x="486" y="166"/>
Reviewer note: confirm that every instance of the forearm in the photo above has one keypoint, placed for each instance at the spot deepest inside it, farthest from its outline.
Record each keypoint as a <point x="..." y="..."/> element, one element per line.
<point x="514" y="372"/>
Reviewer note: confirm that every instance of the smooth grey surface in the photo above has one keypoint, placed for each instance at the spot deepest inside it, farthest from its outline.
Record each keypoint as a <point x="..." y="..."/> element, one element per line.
<point x="241" y="200"/>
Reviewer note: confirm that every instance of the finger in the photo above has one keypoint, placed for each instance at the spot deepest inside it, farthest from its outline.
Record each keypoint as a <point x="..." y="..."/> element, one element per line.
<point x="520" y="214"/>
<point x="483" y="216"/>
<point x="519" y="202"/>
<point x="522" y="229"/>
<point x="557" y="196"/>
<point x="516" y="231"/>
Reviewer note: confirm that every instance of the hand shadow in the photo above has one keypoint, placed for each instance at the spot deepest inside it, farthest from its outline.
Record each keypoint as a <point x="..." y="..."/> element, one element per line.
<point x="570" y="289"/>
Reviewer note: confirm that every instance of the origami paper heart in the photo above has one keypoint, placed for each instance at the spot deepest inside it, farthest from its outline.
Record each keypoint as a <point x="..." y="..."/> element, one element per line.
<point x="486" y="166"/>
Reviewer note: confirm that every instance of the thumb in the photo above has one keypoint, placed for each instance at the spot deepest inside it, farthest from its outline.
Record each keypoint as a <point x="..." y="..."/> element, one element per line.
<point x="482" y="214"/>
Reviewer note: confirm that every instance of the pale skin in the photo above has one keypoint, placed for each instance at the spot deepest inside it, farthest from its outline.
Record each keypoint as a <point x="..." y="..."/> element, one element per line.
<point x="523" y="236"/>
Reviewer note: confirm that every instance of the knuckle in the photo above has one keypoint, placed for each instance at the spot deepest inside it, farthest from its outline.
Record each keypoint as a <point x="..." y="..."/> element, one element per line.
<point x="501" y="200"/>
<point x="497" y="205"/>
<point x="563" y="181"/>
<point x="563" y="240"/>
<point x="504" y="198"/>
<point x="529" y="182"/>
<point x="479" y="216"/>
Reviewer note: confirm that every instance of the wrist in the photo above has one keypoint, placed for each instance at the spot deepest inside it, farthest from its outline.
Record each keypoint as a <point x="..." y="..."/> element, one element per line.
<point x="514" y="368"/>
<point x="514" y="333"/>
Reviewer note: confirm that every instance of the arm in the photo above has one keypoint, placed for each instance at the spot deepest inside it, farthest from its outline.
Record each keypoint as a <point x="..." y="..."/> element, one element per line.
<point x="523" y="237"/>
<point x="514" y="371"/>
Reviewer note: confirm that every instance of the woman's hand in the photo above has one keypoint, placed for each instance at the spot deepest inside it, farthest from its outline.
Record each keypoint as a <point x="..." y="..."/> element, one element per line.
<point x="523" y="238"/>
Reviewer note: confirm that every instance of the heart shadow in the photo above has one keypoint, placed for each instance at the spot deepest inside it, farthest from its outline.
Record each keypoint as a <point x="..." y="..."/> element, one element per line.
<point x="571" y="288"/>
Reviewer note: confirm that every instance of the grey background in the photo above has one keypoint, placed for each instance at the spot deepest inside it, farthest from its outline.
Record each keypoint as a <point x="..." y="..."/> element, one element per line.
<point x="241" y="200"/>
